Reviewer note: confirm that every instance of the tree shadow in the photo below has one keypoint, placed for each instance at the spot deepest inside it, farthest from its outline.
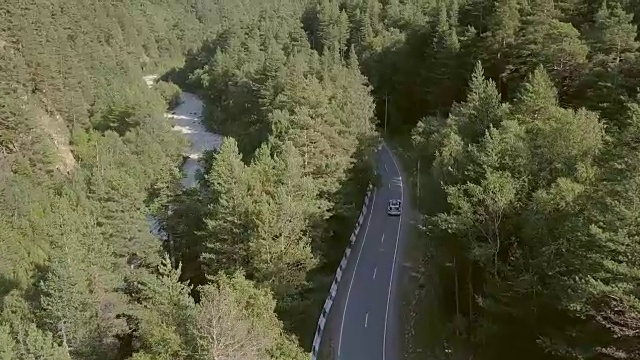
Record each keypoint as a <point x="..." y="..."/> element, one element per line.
<point x="6" y="286"/>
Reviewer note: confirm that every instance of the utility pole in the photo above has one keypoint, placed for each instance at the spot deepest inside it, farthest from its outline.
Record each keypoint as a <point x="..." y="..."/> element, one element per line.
<point x="385" y="112"/>
<point x="63" y="331"/>
<point x="172" y="252"/>
<point x="455" y="277"/>
<point x="418" y="184"/>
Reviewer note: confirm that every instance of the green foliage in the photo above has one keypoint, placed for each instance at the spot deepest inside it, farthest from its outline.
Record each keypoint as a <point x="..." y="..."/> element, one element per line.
<point x="233" y="318"/>
<point x="524" y="161"/>
<point x="524" y="215"/>
<point x="31" y="343"/>
<point x="83" y="143"/>
<point x="250" y="327"/>
<point x="260" y="216"/>
<point x="530" y="193"/>
<point x="298" y="126"/>
<point x="88" y="322"/>
<point x="166" y="315"/>
<point x="170" y="93"/>
<point x="614" y="34"/>
<point x="227" y="227"/>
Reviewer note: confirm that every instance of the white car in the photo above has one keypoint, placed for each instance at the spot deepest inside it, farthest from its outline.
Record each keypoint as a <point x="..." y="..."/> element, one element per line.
<point x="394" y="208"/>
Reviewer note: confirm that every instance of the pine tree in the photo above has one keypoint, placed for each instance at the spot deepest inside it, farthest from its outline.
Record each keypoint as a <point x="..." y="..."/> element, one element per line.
<point x="614" y="35"/>
<point x="227" y="225"/>
<point x="307" y="122"/>
<point x="564" y="140"/>
<point x="80" y="308"/>
<point x="39" y="345"/>
<point x="7" y="345"/>
<point x="503" y="27"/>
<point x="613" y="43"/>
<point x="333" y="27"/>
<point x="166" y="313"/>
<point x="537" y="95"/>
<point x="441" y="72"/>
<point x="280" y="251"/>
<point x="481" y="109"/>
<point x="241" y="314"/>
<point x="555" y="45"/>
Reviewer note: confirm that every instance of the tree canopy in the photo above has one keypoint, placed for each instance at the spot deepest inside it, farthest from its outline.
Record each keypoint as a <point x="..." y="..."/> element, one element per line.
<point x="523" y="115"/>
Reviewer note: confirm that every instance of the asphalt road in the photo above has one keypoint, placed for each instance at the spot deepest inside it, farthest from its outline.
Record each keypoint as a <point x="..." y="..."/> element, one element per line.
<point x="364" y="320"/>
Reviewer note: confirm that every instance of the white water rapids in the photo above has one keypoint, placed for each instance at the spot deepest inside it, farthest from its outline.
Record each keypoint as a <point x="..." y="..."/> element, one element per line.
<point x="187" y="119"/>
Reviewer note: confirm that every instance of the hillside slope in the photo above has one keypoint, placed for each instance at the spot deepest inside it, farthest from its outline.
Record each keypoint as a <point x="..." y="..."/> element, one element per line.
<point x="83" y="146"/>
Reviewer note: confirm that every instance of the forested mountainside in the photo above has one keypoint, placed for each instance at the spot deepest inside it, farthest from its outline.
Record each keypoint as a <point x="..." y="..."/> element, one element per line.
<point x="87" y="154"/>
<point x="524" y="119"/>
<point x="523" y="115"/>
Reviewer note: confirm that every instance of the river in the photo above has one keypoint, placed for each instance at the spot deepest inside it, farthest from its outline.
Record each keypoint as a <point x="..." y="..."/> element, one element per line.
<point x="187" y="119"/>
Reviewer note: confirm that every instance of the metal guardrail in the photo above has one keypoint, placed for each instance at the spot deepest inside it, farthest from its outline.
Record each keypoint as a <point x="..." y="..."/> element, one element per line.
<point x="336" y="280"/>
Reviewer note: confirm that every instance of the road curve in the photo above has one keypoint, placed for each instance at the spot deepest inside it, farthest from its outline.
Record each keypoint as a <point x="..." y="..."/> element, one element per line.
<point x="364" y="320"/>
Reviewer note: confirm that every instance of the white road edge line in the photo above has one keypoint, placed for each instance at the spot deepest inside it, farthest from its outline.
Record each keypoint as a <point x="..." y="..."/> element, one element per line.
<point x="374" y="272"/>
<point x="366" y="318"/>
<point x="353" y="275"/>
<point x="395" y="254"/>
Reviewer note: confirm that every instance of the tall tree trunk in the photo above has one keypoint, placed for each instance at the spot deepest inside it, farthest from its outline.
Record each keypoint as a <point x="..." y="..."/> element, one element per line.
<point x="63" y="331"/>
<point x="455" y="276"/>
<point x="470" y="297"/>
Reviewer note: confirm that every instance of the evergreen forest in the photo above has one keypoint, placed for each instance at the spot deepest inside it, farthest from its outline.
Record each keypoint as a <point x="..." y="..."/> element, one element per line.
<point x="517" y="123"/>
